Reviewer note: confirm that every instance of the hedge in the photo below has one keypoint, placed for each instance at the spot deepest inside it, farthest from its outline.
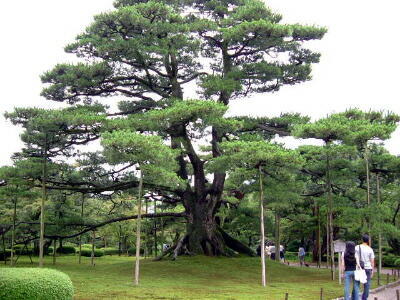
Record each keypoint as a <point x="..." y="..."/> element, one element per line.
<point x="66" y="250"/>
<point x="21" y="250"/>
<point x="34" y="284"/>
<point x="132" y="251"/>
<point x="4" y="254"/>
<point x="88" y="252"/>
<point x="110" y="251"/>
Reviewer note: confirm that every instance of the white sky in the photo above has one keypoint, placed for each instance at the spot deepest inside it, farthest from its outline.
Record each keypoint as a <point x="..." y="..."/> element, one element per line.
<point x="359" y="65"/>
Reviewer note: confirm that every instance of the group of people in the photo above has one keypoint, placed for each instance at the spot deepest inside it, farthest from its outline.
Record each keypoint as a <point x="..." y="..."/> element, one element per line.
<point x="355" y="258"/>
<point x="270" y="252"/>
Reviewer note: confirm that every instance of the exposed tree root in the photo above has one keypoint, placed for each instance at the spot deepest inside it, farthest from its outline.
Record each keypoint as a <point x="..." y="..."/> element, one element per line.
<point x="235" y="245"/>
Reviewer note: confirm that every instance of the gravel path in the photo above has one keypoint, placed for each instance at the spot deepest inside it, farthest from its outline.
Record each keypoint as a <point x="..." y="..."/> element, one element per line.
<point x="388" y="293"/>
<point x="381" y="293"/>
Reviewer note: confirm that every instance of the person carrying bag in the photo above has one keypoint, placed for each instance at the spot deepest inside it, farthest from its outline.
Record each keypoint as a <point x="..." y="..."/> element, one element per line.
<point x="350" y="266"/>
<point x="367" y="262"/>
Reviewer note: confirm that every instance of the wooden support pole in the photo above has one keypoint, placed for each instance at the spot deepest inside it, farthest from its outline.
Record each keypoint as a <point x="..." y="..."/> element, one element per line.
<point x="287" y="296"/>
<point x="321" y="294"/>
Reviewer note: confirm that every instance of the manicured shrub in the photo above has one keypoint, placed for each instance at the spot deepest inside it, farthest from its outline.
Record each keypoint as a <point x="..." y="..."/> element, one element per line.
<point x="389" y="260"/>
<point x="66" y="250"/>
<point x="89" y="246"/>
<point x="88" y="252"/>
<point x="110" y="251"/>
<point x="396" y="263"/>
<point x="4" y="254"/>
<point x="34" y="284"/>
<point x="21" y="250"/>
<point x="132" y="251"/>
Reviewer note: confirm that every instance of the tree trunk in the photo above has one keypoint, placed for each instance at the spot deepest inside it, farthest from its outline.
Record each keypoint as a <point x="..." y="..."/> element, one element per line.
<point x="263" y="273"/>
<point x="146" y="249"/>
<point x="119" y="240"/>
<point x="42" y="203"/>
<point x="54" y="251"/>
<point x="80" y="236"/>
<point x="92" y="254"/>
<point x="138" y="223"/>
<point x="13" y="233"/>
<point x="277" y="237"/>
<point x="368" y="192"/>
<point x="330" y="212"/>
<point x="327" y="241"/>
<point x="155" y="229"/>
<point x="4" y="247"/>
<point x="378" y="200"/>
<point x="319" y="239"/>
<point x="203" y="234"/>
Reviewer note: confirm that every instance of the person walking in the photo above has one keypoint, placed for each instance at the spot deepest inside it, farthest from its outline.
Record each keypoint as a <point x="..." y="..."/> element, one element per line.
<point x="348" y="265"/>
<point x="302" y="255"/>
<point x="367" y="261"/>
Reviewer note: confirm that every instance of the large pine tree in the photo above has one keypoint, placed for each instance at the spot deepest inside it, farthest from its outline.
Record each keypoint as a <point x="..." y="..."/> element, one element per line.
<point x="148" y="54"/>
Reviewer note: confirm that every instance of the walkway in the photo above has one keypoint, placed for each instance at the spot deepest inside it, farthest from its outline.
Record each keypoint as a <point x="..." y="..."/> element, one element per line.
<point x="385" y="292"/>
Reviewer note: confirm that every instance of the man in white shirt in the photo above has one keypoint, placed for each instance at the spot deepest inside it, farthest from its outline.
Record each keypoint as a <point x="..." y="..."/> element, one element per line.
<point x="366" y="255"/>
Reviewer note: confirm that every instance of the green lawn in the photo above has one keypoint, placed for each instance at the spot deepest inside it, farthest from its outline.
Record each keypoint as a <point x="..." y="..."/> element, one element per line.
<point x="191" y="278"/>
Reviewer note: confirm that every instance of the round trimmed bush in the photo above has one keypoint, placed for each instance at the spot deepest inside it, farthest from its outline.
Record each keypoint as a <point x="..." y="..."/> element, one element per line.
<point x="34" y="284"/>
<point x="66" y="250"/>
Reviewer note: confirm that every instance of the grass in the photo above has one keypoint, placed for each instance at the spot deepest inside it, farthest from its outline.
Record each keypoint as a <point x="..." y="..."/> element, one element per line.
<point x="196" y="277"/>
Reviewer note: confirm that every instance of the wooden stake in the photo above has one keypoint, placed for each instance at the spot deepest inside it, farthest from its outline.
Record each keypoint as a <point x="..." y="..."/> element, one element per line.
<point x="397" y="294"/>
<point x="287" y="296"/>
<point x="321" y="294"/>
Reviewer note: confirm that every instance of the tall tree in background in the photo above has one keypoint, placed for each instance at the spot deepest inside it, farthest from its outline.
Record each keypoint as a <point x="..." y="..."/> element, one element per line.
<point x="15" y="189"/>
<point x="369" y="126"/>
<point x="49" y="134"/>
<point x="253" y="159"/>
<point x="148" y="52"/>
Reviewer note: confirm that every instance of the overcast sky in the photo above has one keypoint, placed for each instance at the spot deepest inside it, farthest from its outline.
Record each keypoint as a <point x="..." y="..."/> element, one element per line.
<point x="359" y="65"/>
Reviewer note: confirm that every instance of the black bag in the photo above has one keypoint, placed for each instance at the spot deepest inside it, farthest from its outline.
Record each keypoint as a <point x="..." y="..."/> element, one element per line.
<point x="362" y="265"/>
